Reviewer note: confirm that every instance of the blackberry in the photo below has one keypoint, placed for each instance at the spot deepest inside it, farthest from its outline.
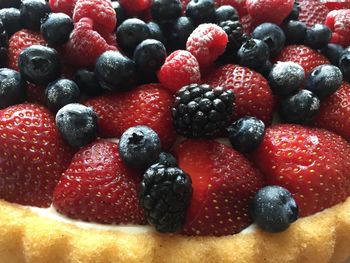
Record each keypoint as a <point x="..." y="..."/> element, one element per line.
<point x="201" y="110"/>
<point x="236" y="36"/>
<point x="165" y="195"/>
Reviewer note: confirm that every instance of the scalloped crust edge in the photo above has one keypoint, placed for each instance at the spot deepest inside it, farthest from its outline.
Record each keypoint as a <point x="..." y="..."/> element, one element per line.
<point x="27" y="237"/>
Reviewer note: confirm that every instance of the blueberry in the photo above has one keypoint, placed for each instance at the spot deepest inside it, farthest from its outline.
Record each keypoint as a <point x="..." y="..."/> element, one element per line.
<point x="166" y="10"/>
<point x="333" y="52"/>
<point x="88" y="83"/>
<point x="39" y="64"/>
<point x="344" y="64"/>
<point x="246" y="134"/>
<point x="131" y="33"/>
<point x="274" y="209"/>
<point x="139" y="147"/>
<point x="57" y="28"/>
<point x="265" y="69"/>
<point x="119" y="11"/>
<point x="253" y="53"/>
<point x="318" y="36"/>
<point x="272" y="35"/>
<point x="115" y="71"/>
<point x="156" y="32"/>
<point x="167" y="159"/>
<point x="77" y="124"/>
<point x="60" y="93"/>
<point x="32" y="12"/>
<point x="10" y="3"/>
<point x="324" y="80"/>
<point x="12" y="88"/>
<point x="201" y="11"/>
<point x="294" y="14"/>
<point x="11" y="19"/>
<point x="224" y="13"/>
<point x="300" y="108"/>
<point x="150" y="55"/>
<point x="181" y="30"/>
<point x="3" y="57"/>
<point x="295" y="31"/>
<point x="285" y="78"/>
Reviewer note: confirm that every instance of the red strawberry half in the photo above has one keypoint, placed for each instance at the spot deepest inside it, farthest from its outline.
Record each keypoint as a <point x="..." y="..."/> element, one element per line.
<point x="313" y="164"/>
<point x="99" y="187"/>
<point x="224" y="183"/>
<point x="32" y="155"/>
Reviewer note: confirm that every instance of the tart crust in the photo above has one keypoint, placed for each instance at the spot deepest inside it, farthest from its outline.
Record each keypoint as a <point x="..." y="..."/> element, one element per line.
<point x="30" y="238"/>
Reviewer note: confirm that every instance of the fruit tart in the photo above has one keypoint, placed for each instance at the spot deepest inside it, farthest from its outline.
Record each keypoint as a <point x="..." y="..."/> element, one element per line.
<point x="174" y="131"/>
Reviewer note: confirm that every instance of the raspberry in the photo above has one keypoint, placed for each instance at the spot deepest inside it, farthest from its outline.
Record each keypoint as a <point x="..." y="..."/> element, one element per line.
<point x="62" y="6"/>
<point x="247" y="24"/>
<point x="181" y="68"/>
<point x="207" y="42"/>
<point x="136" y="6"/>
<point x="100" y="11"/>
<point x="339" y="22"/>
<point x="274" y="11"/>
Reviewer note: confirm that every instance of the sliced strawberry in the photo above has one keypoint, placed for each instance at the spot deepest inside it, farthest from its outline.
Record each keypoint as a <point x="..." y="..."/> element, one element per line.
<point x="252" y="92"/>
<point x="145" y="105"/>
<point x="339" y="22"/>
<point x="224" y="183"/>
<point x="312" y="12"/>
<point x="313" y="164"/>
<point x="32" y="155"/>
<point x="99" y="187"/>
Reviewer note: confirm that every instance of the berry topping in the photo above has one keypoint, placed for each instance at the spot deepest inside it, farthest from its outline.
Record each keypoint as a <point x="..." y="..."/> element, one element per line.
<point x="339" y="22"/>
<point x="318" y="36"/>
<point x="12" y="88"/>
<point x="295" y="31"/>
<point x="32" y="12"/>
<point x="166" y="11"/>
<point x="201" y="11"/>
<point x="272" y="35"/>
<point x="150" y="55"/>
<point x="253" y="53"/>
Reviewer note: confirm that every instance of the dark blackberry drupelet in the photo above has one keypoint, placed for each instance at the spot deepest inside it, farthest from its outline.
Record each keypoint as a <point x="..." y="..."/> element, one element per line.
<point x="165" y="194"/>
<point x="201" y="110"/>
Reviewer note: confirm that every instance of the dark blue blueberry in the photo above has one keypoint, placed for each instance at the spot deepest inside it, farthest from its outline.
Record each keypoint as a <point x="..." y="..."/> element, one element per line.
<point x="253" y="54"/>
<point x="3" y="36"/>
<point x="246" y="134"/>
<point x="60" y="93"/>
<point x="156" y="32"/>
<point x="324" y="80"/>
<point x="139" y="147"/>
<point x="318" y="36"/>
<point x="11" y="19"/>
<point x="12" y="88"/>
<point x="181" y="30"/>
<point x="131" y="33"/>
<point x="150" y="55"/>
<point x="164" y="11"/>
<point x="295" y="31"/>
<point x="344" y="64"/>
<point x="201" y="11"/>
<point x="286" y="78"/>
<point x="77" y="124"/>
<point x="167" y="159"/>
<point x="333" y="52"/>
<point x="300" y="108"/>
<point x="294" y="14"/>
<point x="272" y="35"/>
<point x="224" y="13"/>
<point x="39" y="64"/>
<point x="119" y="11"/>
<point x="274" y="209"/>
<point x="88" y="83"/>
<point x="265" y="69"/>
<point x="32" y="12"/>
<point x="115" y="71"/>
<point x="3" y="57"/>
<point x="10" y="3"/>
<point x="57" y="28"/>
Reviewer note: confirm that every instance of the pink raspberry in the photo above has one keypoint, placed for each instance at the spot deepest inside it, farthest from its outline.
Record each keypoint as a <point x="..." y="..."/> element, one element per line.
<point x="181" y="68"/>
<point x="62" y="6"/>
<point x="207" y="42"/>
<point x="135" y="7"/>
<point x="339" y="22"/>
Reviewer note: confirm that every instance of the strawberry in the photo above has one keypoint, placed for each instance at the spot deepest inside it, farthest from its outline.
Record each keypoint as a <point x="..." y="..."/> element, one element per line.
<point x="145" y="105"/>
<point x="335" y="5"/>
<point x="334" y="114"/>
<point x="99" y="187"/>
<point x="62" y="6"/>
<point x="339" y="22"/>
<point x="252" y="92"/>
<point x="313" y="164"/>
<point x="32" y="155"/>
<point x="223" y="182"/>
<point x="304" y="56"/>
<point x="312" y="12"/>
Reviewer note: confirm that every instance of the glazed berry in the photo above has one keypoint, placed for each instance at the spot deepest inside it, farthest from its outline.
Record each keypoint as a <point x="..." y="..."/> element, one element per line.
<point x="324" y="80"/>
<point x="246" y="134"/>
<point x="12" y="88"/>
<point x="57" y="28"/>
<point x="344" y="64"/>
<point x="272" y="35"/>
<point x="333" y="52"/>
<point x="274" y="209"/>
<point x="201" y="11"/>
<point x="150" y="55"/>
<point x="60" y="93"/>
<point x="88" y="83"/>
<point x="164" y="11"/>
<point x="180" y="32"/>
<point x="119" y="11"/>
<point x="10" y="3"/>
<point x="131" y="33"/>
<point x="32" y="12"/>
<point x="165" y="195"/>
<point x="156" y="32"/>
<point x="300" y="108"/>
<point x="294" y="14"/>
<point x="201" y="110"/>
<point x="77" y="124"/>
<point x="253" y="53"/>
<point x="286" y="78"/>
<point x="115" y="71"/>
<point x="139" y="147"/>
<point x="225" y="13"/>
<point x="39" y="64"/>
<point x="167" y="159"/>
<point x="11" y="19"/>
<point x="3" y="57"/>
<point x="295" y="31"/>
<point x="318" y="36"/>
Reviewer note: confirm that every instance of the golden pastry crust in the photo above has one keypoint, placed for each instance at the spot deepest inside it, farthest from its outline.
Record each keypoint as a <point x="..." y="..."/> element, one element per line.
<point x="30" y="238"/>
